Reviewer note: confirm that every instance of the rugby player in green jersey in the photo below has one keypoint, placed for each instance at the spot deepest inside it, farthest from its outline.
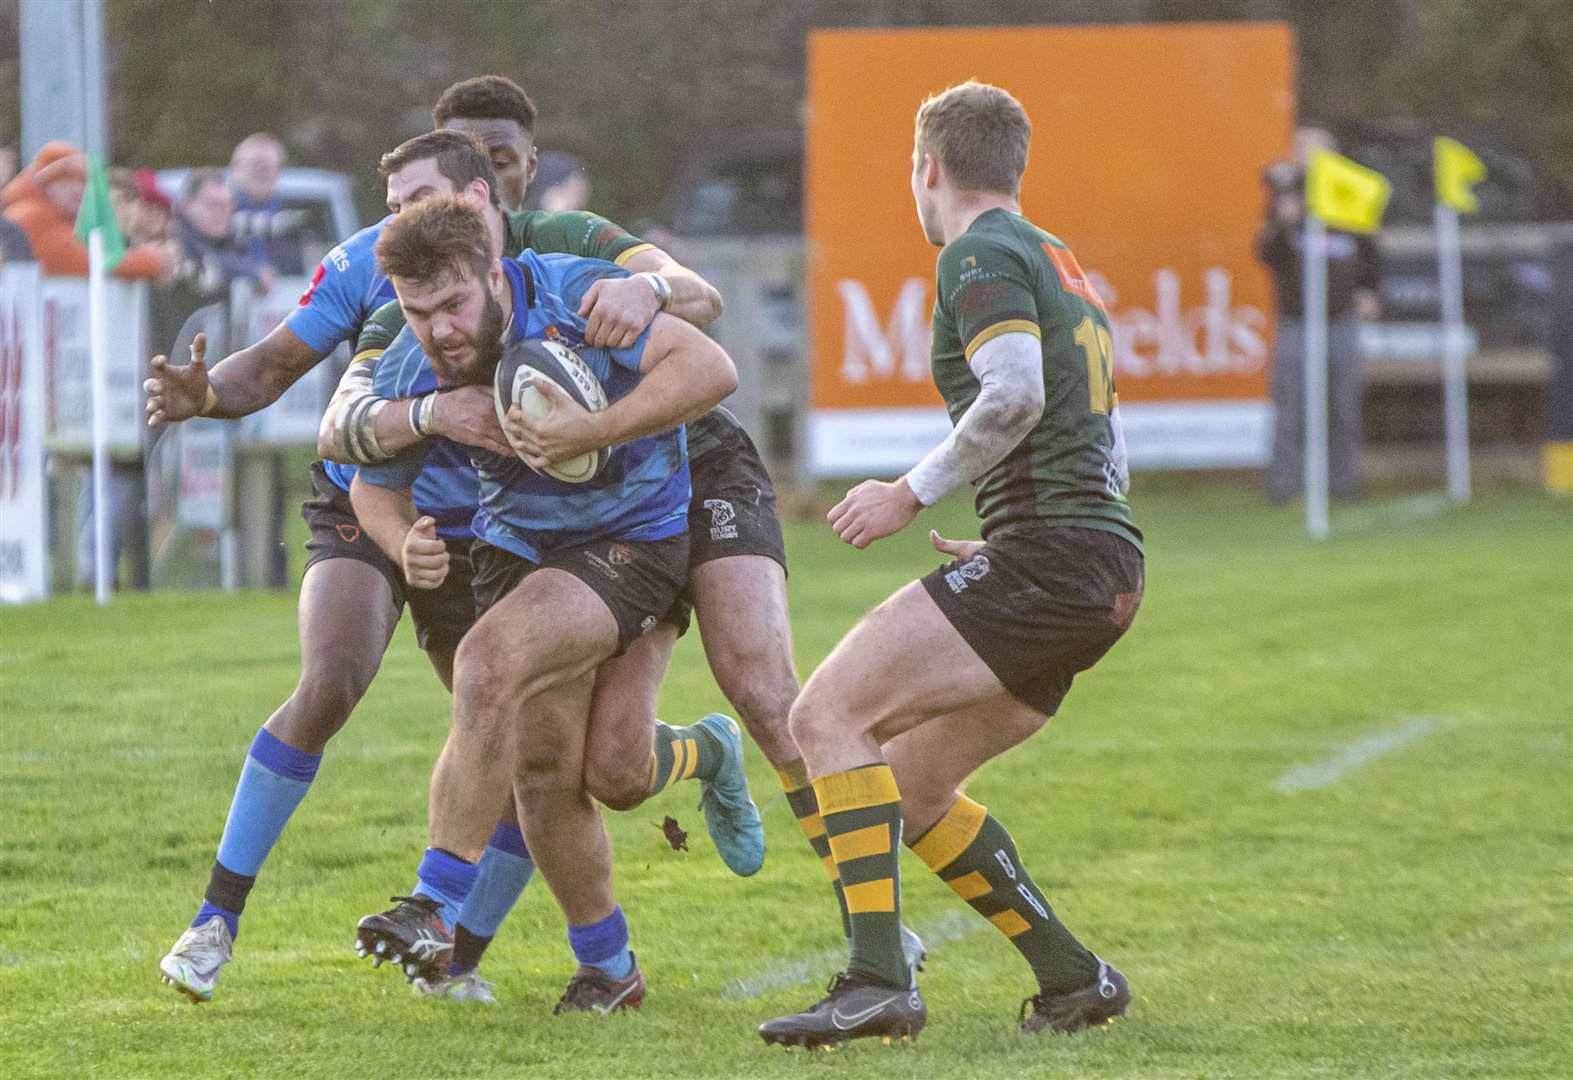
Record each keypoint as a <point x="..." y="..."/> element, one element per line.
<point x="962" y="665"/>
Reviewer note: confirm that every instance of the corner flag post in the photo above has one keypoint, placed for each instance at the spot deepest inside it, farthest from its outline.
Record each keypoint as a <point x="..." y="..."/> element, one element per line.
<point x="98" y="365"/>
<point x="97" y="228"/>
<point x="1348" y="196"/>
<point x="1314" y="301"/>
<point x="1456" y="169"/>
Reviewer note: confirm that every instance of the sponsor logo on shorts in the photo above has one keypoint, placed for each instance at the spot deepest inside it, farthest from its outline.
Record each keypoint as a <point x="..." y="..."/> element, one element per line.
<point x="974" y="569"/>
<point x="723" y="519"/>
<point x="348" y="533"/>
<point x="604" y="566"/>
<point x="648" y="624"/>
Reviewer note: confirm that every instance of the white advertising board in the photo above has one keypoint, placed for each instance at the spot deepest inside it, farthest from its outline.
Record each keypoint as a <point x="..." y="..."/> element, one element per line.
<point x="24" y="521"/>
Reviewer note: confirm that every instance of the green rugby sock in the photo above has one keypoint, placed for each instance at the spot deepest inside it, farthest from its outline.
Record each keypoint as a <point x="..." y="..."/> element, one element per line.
<point x="861" y="809"/>
<point x="683" y="753"/>
<point x="805" y="807"/>
<point x="973" y="854"/>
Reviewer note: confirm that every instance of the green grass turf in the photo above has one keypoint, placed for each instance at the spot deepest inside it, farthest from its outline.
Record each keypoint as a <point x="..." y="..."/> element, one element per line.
<point x="1408" y="920"/>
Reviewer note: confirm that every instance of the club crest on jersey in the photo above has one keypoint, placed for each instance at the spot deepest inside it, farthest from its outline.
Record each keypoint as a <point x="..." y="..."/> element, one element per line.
<point x="723" y="518"/>
<point x="974" y="569"/>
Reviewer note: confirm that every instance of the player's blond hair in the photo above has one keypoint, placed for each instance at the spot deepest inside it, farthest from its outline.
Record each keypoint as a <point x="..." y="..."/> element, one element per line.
<point x="442" y="237"/>
<point x="979" y="133"/>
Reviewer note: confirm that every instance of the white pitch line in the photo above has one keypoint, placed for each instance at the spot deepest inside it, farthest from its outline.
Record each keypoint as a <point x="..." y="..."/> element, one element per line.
<point x="949" y="927"/>
<point x="1355" y="755"/>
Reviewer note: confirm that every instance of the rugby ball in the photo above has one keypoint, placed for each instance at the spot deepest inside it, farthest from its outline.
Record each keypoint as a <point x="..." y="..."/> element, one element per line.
<point x="524" y="363"/>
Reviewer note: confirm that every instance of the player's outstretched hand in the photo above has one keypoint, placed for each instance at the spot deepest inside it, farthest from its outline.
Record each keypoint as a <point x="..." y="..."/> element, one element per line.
<point x="616" y="311"/>
<point x="425" y="555"/>
<point x="178" y="393"/>
<point x="956" y="549"/>
<point x="873" y="510"/>
<point x="468" y="415"/>
<point x="565" y="430"/>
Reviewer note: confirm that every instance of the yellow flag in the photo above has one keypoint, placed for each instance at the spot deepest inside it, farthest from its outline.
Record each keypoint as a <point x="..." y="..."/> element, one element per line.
<point x="1457" y="170"/>
<point x="1344" y="193"/>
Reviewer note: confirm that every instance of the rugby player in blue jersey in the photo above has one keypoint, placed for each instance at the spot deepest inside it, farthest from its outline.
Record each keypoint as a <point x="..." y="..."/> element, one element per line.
<point x="351" y="595"/>
<point x="606" y="558"/>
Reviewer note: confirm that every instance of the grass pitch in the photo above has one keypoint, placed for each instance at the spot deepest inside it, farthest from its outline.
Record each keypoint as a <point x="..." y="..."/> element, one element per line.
<point x="1316" y="805"/>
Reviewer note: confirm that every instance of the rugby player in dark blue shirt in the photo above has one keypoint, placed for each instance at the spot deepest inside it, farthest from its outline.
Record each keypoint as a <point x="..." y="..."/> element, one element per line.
<point x="567" y="575"/>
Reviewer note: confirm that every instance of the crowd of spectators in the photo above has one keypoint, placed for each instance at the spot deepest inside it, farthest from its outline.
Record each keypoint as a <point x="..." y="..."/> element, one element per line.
<point x="222" y="227"/>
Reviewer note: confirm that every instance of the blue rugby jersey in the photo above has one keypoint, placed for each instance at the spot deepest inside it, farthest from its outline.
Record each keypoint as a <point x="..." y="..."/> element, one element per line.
<point x="641" y="494"/>
<point x="344" y="292"/>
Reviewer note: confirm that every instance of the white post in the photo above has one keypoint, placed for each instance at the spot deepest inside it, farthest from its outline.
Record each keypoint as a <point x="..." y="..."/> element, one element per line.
<point x="98" y="368"/>
<point x="228" y="537"/>
<point x="1314" y="356"/>
<point x="1455" y="382"/>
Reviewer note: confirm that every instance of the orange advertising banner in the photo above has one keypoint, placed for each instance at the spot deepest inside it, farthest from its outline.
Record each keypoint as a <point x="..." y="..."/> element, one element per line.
<point x="1148" y="147"/>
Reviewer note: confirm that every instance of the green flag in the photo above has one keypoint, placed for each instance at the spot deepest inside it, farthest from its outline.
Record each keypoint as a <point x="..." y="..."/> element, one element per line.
<point x="98" y="212"/>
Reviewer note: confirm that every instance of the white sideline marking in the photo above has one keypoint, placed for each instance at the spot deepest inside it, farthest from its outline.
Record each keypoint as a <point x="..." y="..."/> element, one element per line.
<point x="950" y="927"/>
<point x="1355" y="755"/>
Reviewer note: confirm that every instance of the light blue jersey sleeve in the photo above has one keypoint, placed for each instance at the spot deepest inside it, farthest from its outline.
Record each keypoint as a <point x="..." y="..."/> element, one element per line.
<point x="343" y="293"/>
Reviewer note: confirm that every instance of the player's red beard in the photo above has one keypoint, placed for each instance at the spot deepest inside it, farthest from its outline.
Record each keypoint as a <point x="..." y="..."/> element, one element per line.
<point x="478" y="368"/>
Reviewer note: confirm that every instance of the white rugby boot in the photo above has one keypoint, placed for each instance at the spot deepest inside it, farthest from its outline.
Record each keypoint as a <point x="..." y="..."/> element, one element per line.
<point x="193" y="963"/>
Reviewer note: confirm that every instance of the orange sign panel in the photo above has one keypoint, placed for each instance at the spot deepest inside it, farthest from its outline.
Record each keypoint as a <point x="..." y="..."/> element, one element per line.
<point x="1148" y="146"/>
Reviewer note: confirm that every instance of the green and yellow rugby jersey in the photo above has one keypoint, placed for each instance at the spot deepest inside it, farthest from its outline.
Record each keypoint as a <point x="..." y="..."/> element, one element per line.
<point x="573" y="232"/>
<point x="1005" y="275"/>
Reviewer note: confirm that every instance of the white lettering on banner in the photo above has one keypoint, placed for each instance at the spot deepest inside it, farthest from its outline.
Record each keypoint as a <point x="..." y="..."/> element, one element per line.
<point x="24" y="549"/>
<point x="1213" y="338"/>
<point x="900" y="349"/>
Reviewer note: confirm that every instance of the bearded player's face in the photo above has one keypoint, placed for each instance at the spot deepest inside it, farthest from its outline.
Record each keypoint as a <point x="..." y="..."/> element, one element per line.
<point x="458" y="322"/>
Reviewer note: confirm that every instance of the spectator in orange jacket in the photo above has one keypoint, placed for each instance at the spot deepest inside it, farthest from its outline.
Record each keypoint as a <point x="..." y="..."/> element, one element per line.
<point x="43" y="200"/>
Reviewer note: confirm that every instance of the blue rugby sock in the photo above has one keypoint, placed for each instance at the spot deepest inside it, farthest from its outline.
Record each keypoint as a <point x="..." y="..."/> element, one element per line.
<point x="500" y="878"/>
<point x="208" y="910"/>
<point x="604" y="945"/>
<point x="273" y="781"/>
<point x="447" y="879"/>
